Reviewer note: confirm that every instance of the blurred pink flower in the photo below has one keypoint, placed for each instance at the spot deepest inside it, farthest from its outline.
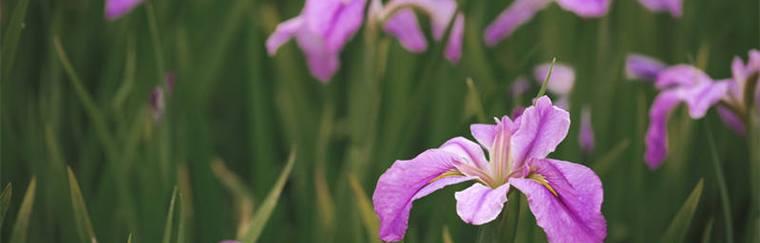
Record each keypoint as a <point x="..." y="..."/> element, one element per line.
<point x="586" y="136"/>
<point x="565" y="197"/>
<point x="117" y="8"/>
<point x="321" y="30"/>
<point x="672" y="6"/>
<point x="158" y="96"/>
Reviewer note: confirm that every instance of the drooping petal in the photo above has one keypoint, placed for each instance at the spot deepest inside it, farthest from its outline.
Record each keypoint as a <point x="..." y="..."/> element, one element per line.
<point x="568" y="207"/>
<point x="731" y="120"/>
<point x="680" y="75"/>
<point x="322" y="62"/>
<point x="517" y="14"/>
<point x="406" y="181"/>
<point x="642" y="67"/>
<point x="702" y="96"/>
<point x="562" y="78"/>
<point x="586" y="137"/>
<point x="586" y="8"/>
<point x="672" y="6"/>
<point x="283" y="33"/>
<point x="480" y="204"/>
<point x="344" y="23"/>
<point x="117" y="8"/>
<point x="454" y="46"/>
<point x="404" y="26"/>
<point x="469" y="151"/>
<point x="657" y="133"/>
<point x="539" y="130"/>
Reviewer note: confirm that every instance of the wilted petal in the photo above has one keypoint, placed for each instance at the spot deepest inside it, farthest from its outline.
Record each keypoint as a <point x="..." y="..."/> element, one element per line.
<point x="283" y="33"/>
<point x="118" y="8"/>
<point x="731" y="120"/>
<point x="642" y="67"/>
<point x="657" y="133"/>
<point x="702" y="96"/>
<point x="586" y="8"/>
<point x="406" y="181"/>
<point x="672" y="6"/>
<point x="574" y="213"/>
<point x="404" y="26"/>
<point x="586" y="137"/>
<point x="539" y="130"/>
<point x="561" y="81"/>
<point x="680" y="75"/>
<point x="480" y="204"/>
<point x="454" y="46"/>
<point x="469" y="151"/>
<point x="517" y="14"/>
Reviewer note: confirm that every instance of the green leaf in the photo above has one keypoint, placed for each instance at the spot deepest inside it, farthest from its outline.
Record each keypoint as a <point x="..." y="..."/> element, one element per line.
<point x="129" y="239"/>
<point x="19" y="232"/>
<point x="680" y="224"/>
<point x="366" y="212"/>
<point x="12" y="35"/>
<point x="473" y="104"/>
<point x="5" y="201"/>
<point x="263" y="213"/>
<point x="82" y="218"/>
<point x="170" y="218"/>
<point x="724" y="200"/>
<point x="542" y="91"/>
<point x="446" y="235"/>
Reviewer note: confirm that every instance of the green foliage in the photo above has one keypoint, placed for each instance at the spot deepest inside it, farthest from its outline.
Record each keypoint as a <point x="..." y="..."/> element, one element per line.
<point x="676" y="232"/>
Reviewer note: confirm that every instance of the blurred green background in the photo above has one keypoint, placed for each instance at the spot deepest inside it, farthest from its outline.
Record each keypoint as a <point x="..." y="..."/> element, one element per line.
<point x="236" y="114"/>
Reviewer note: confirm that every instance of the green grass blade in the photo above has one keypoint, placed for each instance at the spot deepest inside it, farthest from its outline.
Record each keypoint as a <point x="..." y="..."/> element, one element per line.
<point x="473" y="102"/>
<point x="84" y="225"/>
<point x="680" y="224"/>
<point x="5" y="201"/>
<point x="129" y="239"/>
<point x="12" y="35"/>
<point x="267" y="206"/>
<point x="19" y="233"/>
<point x="366" y="212"/>
<point x="446" y="235"/>
<point x="724" y="200"/>
<point x="168" y="227"/>
<point x="542" y="91"/>
<point x="181" y="222"/>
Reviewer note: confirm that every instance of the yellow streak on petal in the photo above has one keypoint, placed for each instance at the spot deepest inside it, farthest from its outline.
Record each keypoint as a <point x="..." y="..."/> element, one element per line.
<point x="446" y="174"/>
<point x="542" y="180"/>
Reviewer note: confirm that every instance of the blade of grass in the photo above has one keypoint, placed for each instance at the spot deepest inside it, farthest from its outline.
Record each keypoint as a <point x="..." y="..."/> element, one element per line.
<point x="129" y="239"/>
<point x="12" y="35"/>
<point x="170" y="218"/>
<point x="604" y="164"/>
<point x="181" y="221"/>
<point x="446" y="235"/>
<point x="680" y="224"/>
<point x="724" y="200"/>
<point x="5" y="201"/>
<point x="547" y="79"/>
<point x="82" y="218"/>
<point x="267" y="206"/>
<point x="19" y="233"/>
<point x="366" y="212"/>
<point x="473" y="102"/>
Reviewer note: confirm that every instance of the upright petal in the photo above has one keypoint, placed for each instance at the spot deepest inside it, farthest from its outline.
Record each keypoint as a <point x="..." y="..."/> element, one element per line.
<point x="586" y="137"/>
<point x="484" y="134"/>
<point x="680" y="75"/>
<point x="562" y="78"/>
<point x="642" y="67"/>
<point x="539" y="130"/>
<point x="480" y="204"/>
<point x="406" y="181"/>
<point x="517" y="14"/>
<point x="454" y="46"/>
<point x="117" y="8"/>
<point x="657" y="133"/>
<point x="404" y="26"/>
<point x="586" y="8"/>
<point x="702" y="96"/>
<point x="672" y="6"/>
<point x="467" y="150"/>
<point x="566" y="199"/>
<point x="732" y="120"/>
<point x="283" y="33"/>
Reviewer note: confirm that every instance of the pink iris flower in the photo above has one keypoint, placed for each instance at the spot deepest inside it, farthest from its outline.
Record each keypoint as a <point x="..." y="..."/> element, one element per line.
<point x="565" y="197"/>
<point x="321" y="30"/>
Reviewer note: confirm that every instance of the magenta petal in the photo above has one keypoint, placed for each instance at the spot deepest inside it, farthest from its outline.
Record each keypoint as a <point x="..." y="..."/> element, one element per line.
<point x="680" y="75"/>
<point x="539" y="130"/>
<point x="406" y="181"/>
<point x="731" y="120"/>
<point x="586" y="137"/>
<point x="453" y="50"/>
<point x="347" y="21"/>
<point x="480" y="204"/>
<point x="283" y="33"/>
<point x="322" y="62"/>
<point x="657" y="133"/>
<point x="517" y="14"/>
<point x="484" y="134"/>
<point x="586" y="8"/>
<point x="702" y="96"/>
<point x="574" y="214"/>
<point x="404" y="26"/>
<point x="117" y="8"/>
<point x="469" y="151"/>
<point x="561" y="81"/>
<point x="642" y="67"/>
<point x="672" y="6"/>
